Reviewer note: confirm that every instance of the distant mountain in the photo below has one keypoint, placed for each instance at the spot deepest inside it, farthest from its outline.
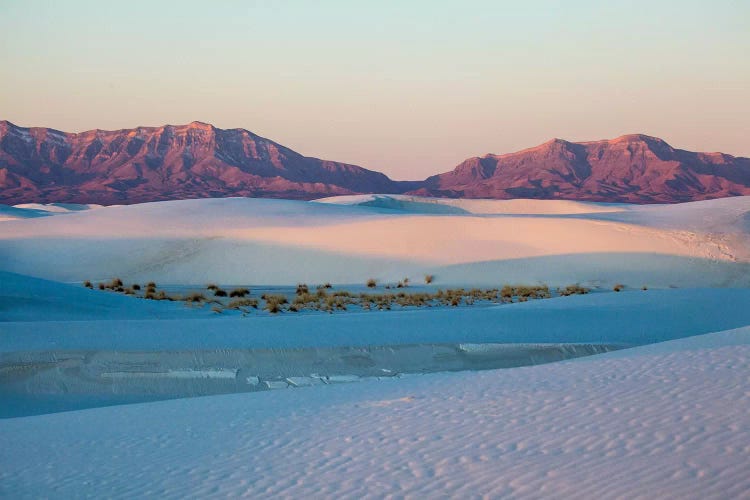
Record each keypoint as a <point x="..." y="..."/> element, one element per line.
<point x="170" y="162"/>
<point x="632" y="168"/>
<point x="199" y="160"/>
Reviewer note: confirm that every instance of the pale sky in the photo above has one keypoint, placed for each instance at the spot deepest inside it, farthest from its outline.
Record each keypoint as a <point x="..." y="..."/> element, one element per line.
<point x="406" y="88"/>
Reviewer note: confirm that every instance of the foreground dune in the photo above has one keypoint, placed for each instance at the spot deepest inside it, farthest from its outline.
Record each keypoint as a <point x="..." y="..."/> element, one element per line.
<point x="349" y="240"/>
<point x="661" y="420"/>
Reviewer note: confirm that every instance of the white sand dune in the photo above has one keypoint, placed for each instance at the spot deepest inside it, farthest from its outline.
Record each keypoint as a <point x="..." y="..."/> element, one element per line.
<point x="661" y="420"/>
<point x="241" y="240"/>
<point x="666" y="420"/>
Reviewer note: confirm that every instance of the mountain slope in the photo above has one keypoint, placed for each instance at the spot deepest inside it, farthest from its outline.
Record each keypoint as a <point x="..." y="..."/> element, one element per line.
<point x="161" y="163"/>
<point x="632" y="168"/>
<point x="199" y="160"/>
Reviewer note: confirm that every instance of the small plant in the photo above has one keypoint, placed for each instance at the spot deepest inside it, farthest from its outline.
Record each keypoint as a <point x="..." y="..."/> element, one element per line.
<point x="644" y="288"/>
<point x="618" y="287"/>
<point x="372" y="283"/>
<point x="572" y="290"/>
<point x="239" y="292"/>
<point x="88" y="284"/>
<point x="194" y="297"/>
<point x="220" y="293"/>
<point x="240" y="303"/>
<point x="101" y="286"/>
<point x="327" y="285"/>
<point x="212" y="286"/>
<point x="302" y="289"/>
<point x="150" y="284"/>
<point x="428" y="278"/>
<point x="274" y="303"/>
<point x="136" y="286"/>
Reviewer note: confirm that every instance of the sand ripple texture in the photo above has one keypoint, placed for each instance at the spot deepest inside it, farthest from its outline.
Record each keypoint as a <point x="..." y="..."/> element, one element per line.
<point x="667" y="420"/>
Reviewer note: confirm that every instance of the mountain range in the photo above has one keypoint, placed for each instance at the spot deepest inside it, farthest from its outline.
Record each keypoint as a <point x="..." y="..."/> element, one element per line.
<point x="199" y="160"/>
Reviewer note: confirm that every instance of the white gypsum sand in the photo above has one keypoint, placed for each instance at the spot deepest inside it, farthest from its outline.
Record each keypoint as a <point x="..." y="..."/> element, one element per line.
<point x="284" y="242"/>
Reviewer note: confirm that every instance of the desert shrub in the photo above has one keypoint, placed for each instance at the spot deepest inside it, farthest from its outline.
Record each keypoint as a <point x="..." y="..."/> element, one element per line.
<point x="101" y="286"/>
<point x="327" y="285"/>
<point x="128" y="291"/>
<point x="150" y="284"/>
<point x="372" y="283"/>
<point x="573" y="290"/>
<point x="428" y="278"/>
<point x="274" y="302"/>
<point x="136" y="286"/>
<point x="243" y="302"/>
<point x="302" y="288"/>
<point x="194" y="297"/>
<point x="220" y="293"/>
<point x="618" y="287"/>
<point x="88" y="284"/>
<point x="212" y="286"/>
<point x="239" y="292"/>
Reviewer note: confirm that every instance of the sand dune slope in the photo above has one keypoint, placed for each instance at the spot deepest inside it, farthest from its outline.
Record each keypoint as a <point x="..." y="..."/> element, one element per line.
<point x="242" y="240"/>
<point x="666" y="420"/>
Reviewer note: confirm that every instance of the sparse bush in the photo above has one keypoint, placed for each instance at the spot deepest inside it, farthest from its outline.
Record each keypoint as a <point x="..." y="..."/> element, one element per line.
<point x="88" y="284"/>
<point x="618" y="287"/>
<point x="302" y="288"/>
<point x="136" y="286"/>
<point x="220" y="293"/>
<point x="327" y="285"/>
<point x="573" y="290"/>
<point x="212" y="286"/>
<point x="194" y="297"/>
<point x="239" y="303"/>
<point x="274" y="302"/>
<point x="428" y="278"/>
<point x="239" y="292"/>
<point x="150" y="284"/>
<point x="101" y="286"/>
<point x="372" y="283"/>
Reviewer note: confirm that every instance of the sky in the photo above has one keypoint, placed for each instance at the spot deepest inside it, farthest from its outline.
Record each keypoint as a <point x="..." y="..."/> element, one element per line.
<point x="409" y="88"/>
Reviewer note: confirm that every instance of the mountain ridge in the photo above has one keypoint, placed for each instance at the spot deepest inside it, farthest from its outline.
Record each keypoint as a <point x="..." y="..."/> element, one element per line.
<point x="198" y="160"/>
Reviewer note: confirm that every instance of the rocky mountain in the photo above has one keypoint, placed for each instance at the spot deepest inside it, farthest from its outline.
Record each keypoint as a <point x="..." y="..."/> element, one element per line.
<point x="170" y="162"/>
<point x="632" y="168"/>
<point x="199" y="160"/>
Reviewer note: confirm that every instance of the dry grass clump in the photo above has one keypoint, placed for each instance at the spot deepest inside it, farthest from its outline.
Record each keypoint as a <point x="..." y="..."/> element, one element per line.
<point x="573" y="290"/>
<point x="372" y="283"/>
<point x="302" y="288"/>
<point x="88" y="284"/>
<point x="154" y="295"/>
<point x="212" y="287"/>
<point x="220" y="293"/>
<point x="243" y="303"/>
<point x="618" y="287"/>
<point x="194" y="297"/>
<point x="428" y="278"/>
<point x="239" y="292"/>
<point x="274" y="303"/>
